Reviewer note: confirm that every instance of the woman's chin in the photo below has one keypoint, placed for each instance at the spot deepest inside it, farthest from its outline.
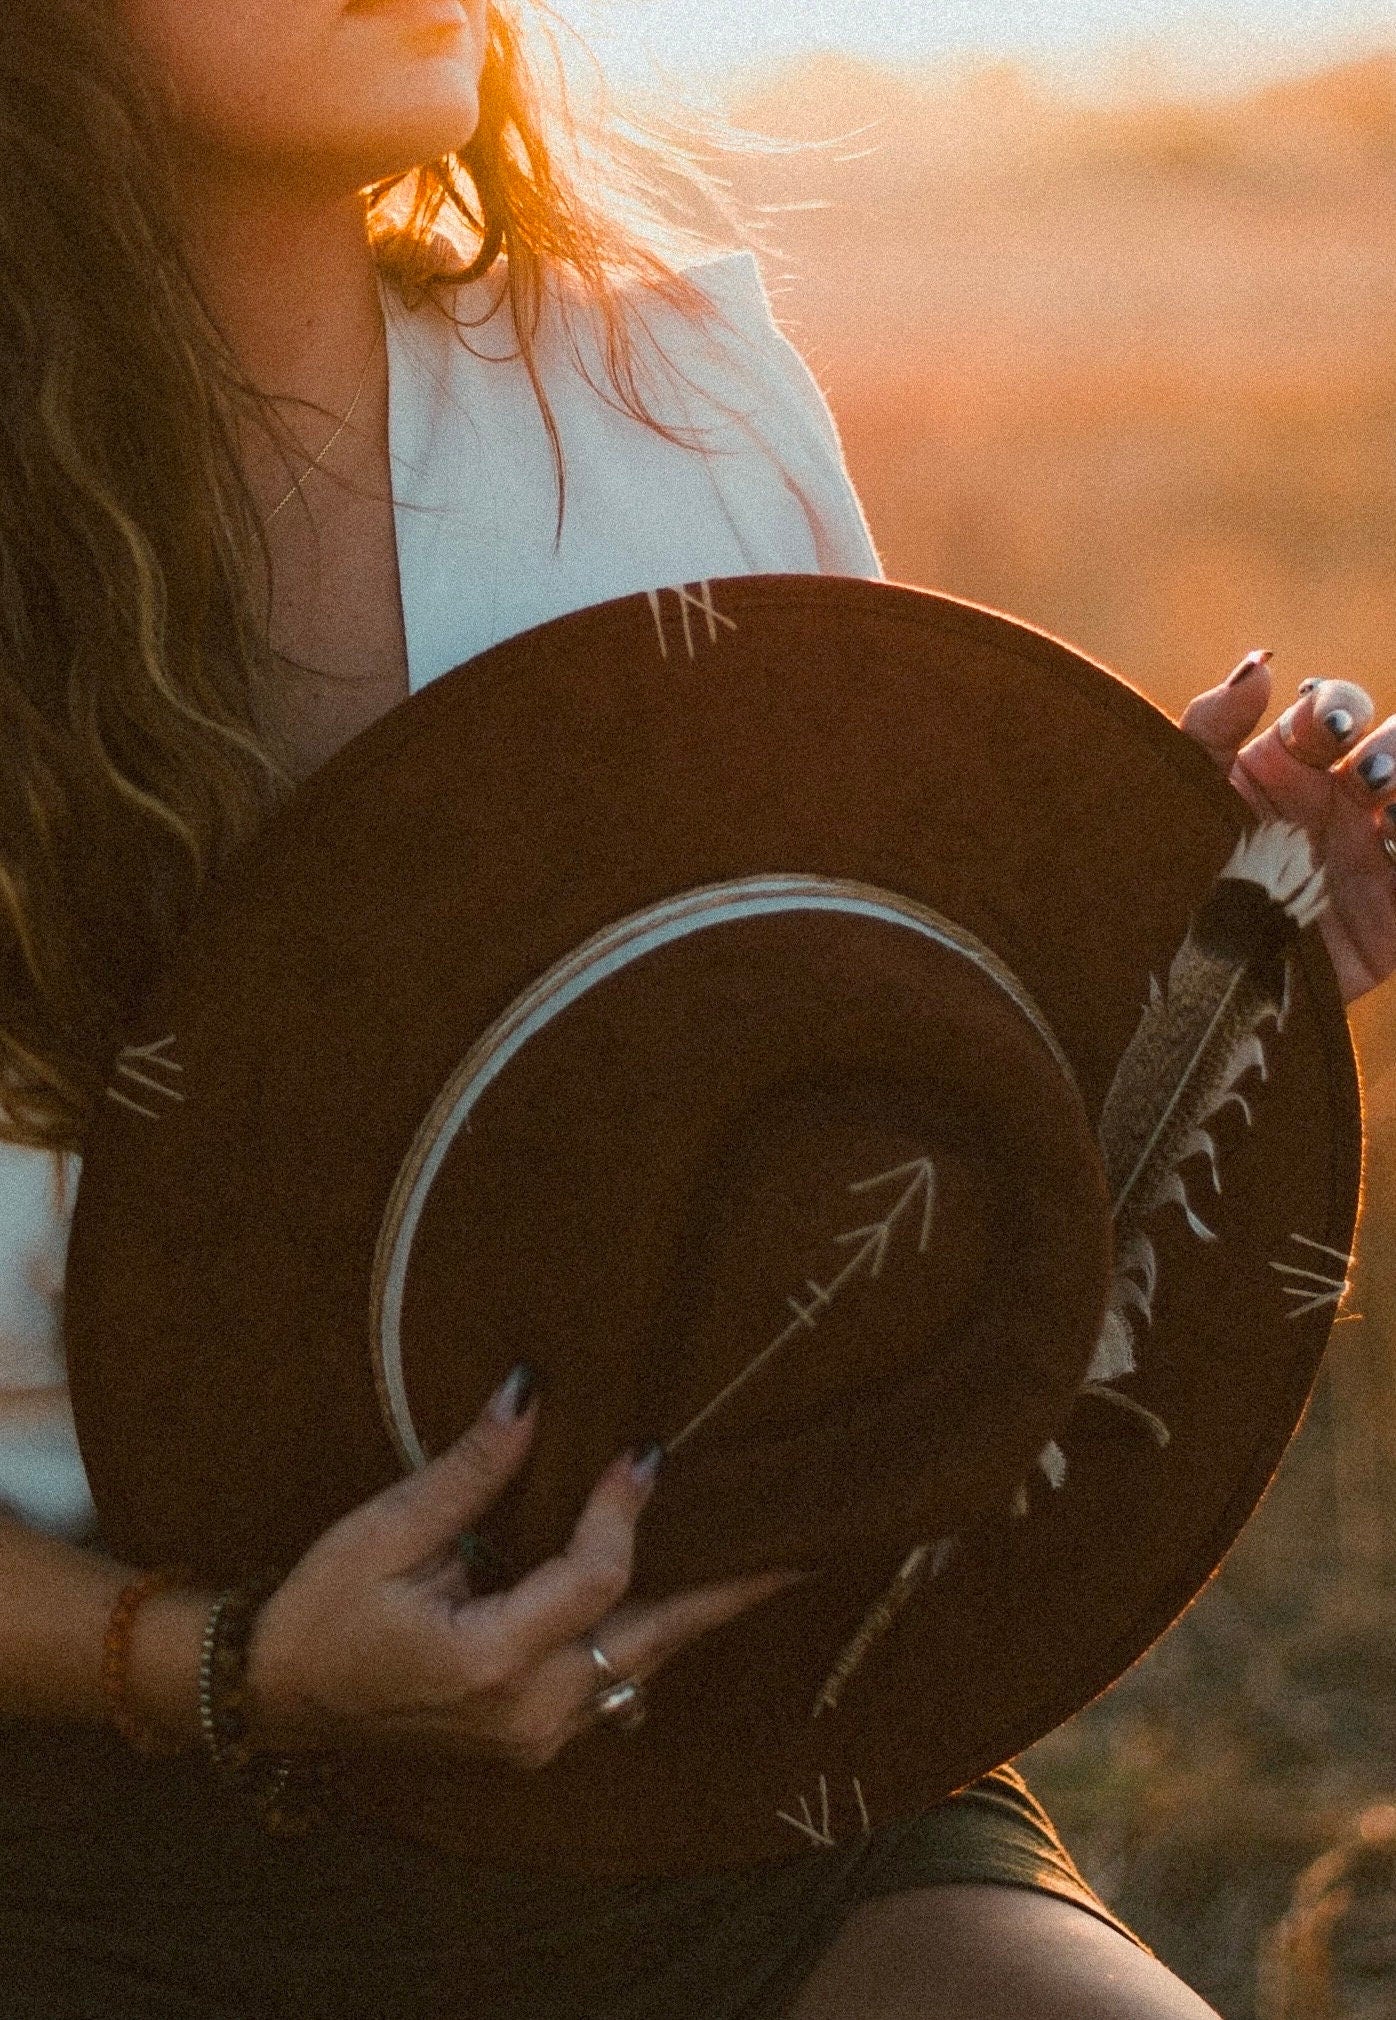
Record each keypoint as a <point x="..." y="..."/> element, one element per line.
<point x="394" y="144"/>
<point x="379" y="144"/>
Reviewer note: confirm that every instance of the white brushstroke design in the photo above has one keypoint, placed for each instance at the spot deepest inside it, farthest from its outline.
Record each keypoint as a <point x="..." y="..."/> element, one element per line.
<point x="820" y="1833"/>
<point x="688" y="602"/>
<point x="1316" y="1288"/>
<point x="820" y="1830"/>
<point x="132" y="1063"/>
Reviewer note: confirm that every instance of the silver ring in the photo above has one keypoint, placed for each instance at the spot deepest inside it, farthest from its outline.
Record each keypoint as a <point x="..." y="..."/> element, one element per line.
<point x="1388" y="842"/>
<point x="620" y="1701"/>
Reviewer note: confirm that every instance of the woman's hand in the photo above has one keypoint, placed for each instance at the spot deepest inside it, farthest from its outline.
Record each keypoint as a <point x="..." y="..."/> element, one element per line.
<point x="1323" y="767"/>
<point x="375" y="1639"/>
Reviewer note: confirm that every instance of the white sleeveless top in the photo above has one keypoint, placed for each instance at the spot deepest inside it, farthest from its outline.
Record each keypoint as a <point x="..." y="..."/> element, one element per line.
<point x="479" y="560"/>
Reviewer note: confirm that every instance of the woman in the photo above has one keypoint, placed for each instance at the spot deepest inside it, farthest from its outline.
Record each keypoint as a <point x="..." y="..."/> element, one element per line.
<point x="197" y="611"/>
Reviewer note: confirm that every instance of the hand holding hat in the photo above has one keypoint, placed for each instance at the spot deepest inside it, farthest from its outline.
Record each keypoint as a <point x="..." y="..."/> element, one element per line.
<point x="1324" y="766"/>
<point x="375" y="1640"/>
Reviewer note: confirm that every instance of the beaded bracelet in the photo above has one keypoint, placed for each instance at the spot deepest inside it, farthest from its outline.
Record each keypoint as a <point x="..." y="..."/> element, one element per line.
<point x="284" y="1792"/>
<point x="116" y="1659"/>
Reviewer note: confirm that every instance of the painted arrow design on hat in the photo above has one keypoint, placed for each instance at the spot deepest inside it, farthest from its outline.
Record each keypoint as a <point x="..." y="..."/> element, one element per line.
<point x="922" y="1175"/>
<point x="867" y="1259"/>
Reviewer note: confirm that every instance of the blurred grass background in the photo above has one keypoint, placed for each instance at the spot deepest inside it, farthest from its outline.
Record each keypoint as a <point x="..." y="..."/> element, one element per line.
<point x="1129" y="371"/>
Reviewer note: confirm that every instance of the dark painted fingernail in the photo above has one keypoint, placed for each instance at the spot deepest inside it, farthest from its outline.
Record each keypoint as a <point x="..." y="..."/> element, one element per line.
<point x="1339" y="724"/>
<point x="513" y="1396"/>
<point x="1307" y="686"/>
<point x="1378" y="769"/>
<point x="1252" y="663"/>
<point x="1390" y="813"/>
<point x="645" y="1463"/>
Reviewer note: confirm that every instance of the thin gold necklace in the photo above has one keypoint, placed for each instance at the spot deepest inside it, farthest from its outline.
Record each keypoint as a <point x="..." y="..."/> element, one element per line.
<point x="282" y="503"/>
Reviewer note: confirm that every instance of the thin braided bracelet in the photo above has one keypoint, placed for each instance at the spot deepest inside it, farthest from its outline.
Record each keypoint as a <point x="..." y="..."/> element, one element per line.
<point x="284" y="1792"/>
<point x="116" y="1659"/>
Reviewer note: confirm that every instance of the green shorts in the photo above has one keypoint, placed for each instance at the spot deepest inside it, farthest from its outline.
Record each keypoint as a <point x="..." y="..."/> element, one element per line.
<point x="134" y="1891"/>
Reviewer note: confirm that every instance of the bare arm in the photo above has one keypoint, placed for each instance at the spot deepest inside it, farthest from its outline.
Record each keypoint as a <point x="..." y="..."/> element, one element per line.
<point x="56" y="1595"/>
<point x="374" y="1638"/>
<point x="57" y="1600"/>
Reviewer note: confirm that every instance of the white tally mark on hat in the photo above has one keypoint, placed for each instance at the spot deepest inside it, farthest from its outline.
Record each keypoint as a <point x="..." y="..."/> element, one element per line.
<point x="147" y="1067"/>
<point x="868" y="1258"/>
<point x="688" y="602"/>
<point x="819" y="1829"/>
<point x="1315" y="1288"/>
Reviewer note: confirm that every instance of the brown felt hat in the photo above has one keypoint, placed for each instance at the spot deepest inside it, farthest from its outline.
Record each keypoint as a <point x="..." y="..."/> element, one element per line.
<point x="831" y="1029"/>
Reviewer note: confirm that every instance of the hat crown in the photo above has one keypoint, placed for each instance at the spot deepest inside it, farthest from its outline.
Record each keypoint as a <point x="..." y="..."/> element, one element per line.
<point x="798" y="1165"/>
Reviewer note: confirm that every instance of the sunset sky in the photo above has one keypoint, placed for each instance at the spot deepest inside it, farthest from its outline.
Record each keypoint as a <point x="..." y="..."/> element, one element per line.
<point x="1088" y="41"/>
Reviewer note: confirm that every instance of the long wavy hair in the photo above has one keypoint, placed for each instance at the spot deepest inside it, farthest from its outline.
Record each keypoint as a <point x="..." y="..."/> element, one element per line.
<point x="133" y="651"/>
